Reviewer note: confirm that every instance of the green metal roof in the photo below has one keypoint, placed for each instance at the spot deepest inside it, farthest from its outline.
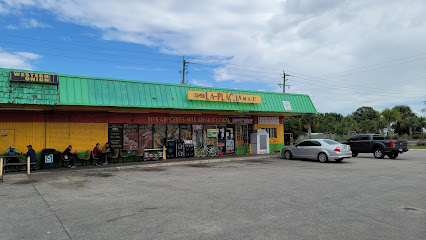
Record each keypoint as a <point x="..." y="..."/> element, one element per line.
<point x="91" y="91"/>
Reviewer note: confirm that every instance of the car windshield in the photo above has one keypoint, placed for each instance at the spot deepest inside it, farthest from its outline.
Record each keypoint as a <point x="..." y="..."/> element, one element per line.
<point x="331" y="142"/>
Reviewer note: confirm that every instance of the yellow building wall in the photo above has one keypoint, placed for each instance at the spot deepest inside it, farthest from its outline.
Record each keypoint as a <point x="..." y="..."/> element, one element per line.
<point x="83" y="136"/>
<point x="22" y="134"/>
<point x="275" y="144"/>
<point x="279" y="128"/>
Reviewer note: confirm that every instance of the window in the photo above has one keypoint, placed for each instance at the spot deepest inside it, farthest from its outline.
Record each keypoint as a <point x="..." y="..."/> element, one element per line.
<point x="355" y="138"/>
<point x="378" y="138"/>
<point x="365" y="137"/>
<point x="272" y="132"/>
<point x="315" y="143"/>
<point x="331" y="142"/>
<point x="304" y="144"/>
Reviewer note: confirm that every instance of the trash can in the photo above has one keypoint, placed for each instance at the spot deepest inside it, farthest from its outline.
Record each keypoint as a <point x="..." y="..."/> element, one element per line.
<point x="47" y="158"/>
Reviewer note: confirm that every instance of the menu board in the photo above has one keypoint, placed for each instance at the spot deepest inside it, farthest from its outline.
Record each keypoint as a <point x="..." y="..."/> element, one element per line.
<point x="115" y="135"/>
<point x="130" y="136"/>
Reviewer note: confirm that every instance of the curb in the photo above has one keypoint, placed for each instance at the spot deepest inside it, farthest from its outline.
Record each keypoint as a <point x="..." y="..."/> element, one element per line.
<point x="168" y="164"/>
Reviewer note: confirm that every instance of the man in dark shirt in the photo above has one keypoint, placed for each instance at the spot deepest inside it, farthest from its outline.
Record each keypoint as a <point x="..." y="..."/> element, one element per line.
<point x="70" y="156"/>
<point x="32" y="154"/>
<point x="108" y="151"/>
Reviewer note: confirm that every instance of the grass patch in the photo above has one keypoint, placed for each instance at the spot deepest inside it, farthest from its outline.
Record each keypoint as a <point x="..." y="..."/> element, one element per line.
<point x="416" y="147"/>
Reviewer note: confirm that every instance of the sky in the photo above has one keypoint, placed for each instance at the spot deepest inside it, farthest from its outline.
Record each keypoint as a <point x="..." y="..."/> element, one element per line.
<point x="343" y="54"/>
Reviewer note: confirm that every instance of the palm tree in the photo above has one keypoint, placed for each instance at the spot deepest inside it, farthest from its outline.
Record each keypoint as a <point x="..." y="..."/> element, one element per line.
<point x="381" y="123"/>
<point x="391" y="115"/>
<point x="411" y="122"/>
<point x="349" y="124"/>
<point x="308" y="121"/>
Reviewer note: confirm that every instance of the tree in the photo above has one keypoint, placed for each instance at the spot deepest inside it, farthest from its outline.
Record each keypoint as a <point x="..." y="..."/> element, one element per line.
<point x="348" y="124"/>
<point x="364" y="113"/>
<point x="405" y="111"/>
<point x="411" y="122"/>
<point x="330" y="123"/>
<point x="292" y="125"/>
<point x="391" y="115"/>
<point x="422" y="124"/>
<point x="308" y="121"/>
<point x="381" y="124"/>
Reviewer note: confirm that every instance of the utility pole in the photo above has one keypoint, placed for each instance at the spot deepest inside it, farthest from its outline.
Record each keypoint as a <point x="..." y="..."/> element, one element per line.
<point x="284" y="78"/>
<point x="184" y="70"/>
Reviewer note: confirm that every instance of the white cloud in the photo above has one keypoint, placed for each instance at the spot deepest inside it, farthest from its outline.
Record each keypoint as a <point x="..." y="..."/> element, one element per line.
<point x="203" y="83"/>
<point x="25" y="23"/>
<point x="18" y="60"/>
<point x="303" y="37"/>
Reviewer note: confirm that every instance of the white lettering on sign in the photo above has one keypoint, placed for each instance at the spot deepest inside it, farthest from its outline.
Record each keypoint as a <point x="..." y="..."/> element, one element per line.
<point x="287" y="106"/>
<point x="268" y="120"/>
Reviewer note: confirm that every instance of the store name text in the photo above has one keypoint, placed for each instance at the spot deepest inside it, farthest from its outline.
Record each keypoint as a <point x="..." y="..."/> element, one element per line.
<point x="223" y="97"/>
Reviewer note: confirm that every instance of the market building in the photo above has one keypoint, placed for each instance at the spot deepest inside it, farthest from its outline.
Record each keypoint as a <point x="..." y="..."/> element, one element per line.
<point x="51" y="110"/>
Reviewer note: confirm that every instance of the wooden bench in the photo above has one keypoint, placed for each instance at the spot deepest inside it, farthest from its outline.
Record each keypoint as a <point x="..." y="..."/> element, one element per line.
<point x="2" y="165"/>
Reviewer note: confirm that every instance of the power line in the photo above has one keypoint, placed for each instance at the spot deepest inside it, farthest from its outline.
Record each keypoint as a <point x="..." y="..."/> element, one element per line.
<point x="72" y="50"/>
<point x="93" y="59"/>
<point x="221" y="62"/>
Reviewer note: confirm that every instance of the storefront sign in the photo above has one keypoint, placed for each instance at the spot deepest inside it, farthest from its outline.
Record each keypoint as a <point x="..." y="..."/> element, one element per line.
<point x="33" y="77"/>
<point x="212" y="132"/>
<point x="287" y="106"/>
<point x="188" y="120"/>
<point x="268" y="120"/>
<point x="241" y="120"/>
<point x="223" y="97"/>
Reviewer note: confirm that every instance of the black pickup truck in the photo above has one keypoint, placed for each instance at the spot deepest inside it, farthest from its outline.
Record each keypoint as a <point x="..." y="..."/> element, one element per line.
<point x="371" y="143"/>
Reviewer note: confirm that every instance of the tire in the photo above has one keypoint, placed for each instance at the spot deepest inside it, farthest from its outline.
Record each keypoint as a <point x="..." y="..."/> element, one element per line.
<point x="287" y="155"/>
<point x="339" y="160"/>
<point x="378" y="153"/>
<point x="393" y="155"/>
<point x="322" y="157"/>
<point x="354" y="154"/>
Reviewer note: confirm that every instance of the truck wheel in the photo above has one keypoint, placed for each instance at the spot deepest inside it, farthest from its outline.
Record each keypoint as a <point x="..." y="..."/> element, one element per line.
<point x="378" y="153"/>
<point x="393" y="155"/>
<point x="354" y="154"/>
<point x="287" y="154"/>
<point x="322" y="157"/>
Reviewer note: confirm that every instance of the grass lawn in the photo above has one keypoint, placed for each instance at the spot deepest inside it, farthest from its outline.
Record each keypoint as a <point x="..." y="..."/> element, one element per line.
<point x="416" y="147"/>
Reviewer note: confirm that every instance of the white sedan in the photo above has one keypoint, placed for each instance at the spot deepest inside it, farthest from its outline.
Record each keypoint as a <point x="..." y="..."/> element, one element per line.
<point x="318" y="149"/>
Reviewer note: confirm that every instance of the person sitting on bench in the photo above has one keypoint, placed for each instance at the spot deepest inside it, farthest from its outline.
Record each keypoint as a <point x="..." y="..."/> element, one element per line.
<point x="68" y="155"/>
<point x="32" y="154"/>
<point x="12" y="152"/>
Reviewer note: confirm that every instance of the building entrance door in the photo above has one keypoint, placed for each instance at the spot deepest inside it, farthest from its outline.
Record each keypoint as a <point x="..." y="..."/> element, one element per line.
<point x="241" y="139"/>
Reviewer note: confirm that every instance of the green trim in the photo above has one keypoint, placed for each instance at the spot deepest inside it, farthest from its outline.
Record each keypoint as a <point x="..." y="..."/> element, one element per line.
<point x="241" y="149"/>
<point x="279" y="147"/>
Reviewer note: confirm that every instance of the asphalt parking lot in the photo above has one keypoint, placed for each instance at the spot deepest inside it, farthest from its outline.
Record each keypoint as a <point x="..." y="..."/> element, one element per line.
<point x="360" y="198"/>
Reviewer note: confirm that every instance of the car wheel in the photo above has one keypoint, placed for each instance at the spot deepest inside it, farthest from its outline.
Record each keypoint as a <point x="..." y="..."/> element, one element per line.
<point x="378" y="153"/>
<point x="287" y="154"/>
<point x="339" y="160"/>
<point x="393" y="155"/>
<point x="322" y="157"/>
<point x="354" y="154"/>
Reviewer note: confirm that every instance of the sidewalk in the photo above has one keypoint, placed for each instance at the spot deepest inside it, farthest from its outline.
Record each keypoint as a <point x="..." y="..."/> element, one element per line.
<point x="162" y="163"/>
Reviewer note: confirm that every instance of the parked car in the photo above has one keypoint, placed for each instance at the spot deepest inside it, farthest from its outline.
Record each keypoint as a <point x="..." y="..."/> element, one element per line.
<point x="376" y="144"/>
<point x="318" y="149"/>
